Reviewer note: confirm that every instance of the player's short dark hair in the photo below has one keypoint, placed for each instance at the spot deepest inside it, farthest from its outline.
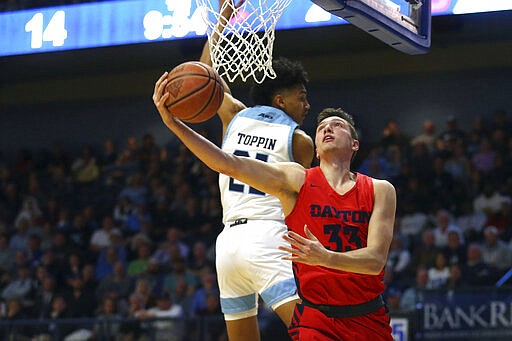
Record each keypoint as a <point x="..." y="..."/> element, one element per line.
<point x="288" y="75"/>
<point x="329" y="112"/>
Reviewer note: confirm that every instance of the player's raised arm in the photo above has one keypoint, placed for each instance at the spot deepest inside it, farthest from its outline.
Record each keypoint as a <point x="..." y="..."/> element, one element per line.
<point x="280" y="179"/>
<point x="230" y="105"/>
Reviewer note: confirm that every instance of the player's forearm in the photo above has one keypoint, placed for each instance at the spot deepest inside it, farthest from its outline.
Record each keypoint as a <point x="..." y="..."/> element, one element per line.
<point x="363" y="261"/>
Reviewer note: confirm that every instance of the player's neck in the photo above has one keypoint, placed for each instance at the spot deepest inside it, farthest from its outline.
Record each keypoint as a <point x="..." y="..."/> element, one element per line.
<point x="337" y="173"/>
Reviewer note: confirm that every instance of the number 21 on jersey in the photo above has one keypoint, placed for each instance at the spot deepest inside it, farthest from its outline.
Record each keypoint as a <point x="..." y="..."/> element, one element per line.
<point x="240" y="187"/>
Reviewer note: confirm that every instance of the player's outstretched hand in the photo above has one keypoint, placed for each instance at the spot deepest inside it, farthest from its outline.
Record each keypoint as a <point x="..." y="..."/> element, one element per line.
<point x="304" y="250"/>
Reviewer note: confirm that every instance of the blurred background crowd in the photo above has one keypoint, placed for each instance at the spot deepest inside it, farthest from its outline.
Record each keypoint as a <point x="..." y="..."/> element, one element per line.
<point x="128" y="228"/>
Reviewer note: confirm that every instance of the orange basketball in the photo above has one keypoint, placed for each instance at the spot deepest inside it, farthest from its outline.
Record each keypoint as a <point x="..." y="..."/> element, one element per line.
<point x="195" y="92"/>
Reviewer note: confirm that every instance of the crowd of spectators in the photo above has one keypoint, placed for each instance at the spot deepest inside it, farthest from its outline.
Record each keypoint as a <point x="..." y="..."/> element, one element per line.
<point x="128" y="230"/>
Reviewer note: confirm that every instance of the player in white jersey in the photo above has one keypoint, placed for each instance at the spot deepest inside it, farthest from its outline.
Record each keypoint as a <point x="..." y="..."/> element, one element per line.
<point x="248" y="260"/>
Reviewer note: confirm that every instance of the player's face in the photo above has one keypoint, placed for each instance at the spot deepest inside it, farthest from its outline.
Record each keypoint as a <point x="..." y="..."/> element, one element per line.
<point x="295" y="103"/>
<point x="334" y="132"/>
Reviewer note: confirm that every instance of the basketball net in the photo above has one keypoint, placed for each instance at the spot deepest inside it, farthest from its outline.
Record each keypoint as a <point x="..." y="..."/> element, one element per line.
<point x="241" y="45"/>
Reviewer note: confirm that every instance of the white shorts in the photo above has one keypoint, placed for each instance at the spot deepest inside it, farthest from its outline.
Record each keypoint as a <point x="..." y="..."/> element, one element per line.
<point x="249" y="263"/>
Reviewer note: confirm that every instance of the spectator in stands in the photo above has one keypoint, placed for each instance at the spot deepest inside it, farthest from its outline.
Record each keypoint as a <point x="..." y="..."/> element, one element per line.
<point x="495" y="252"/>
<point x="100" y="238"/>
<point x="458" y="165"/>
<point x="438" y="274"/>
<point x="72" y="267"/>
<point x="484" y="160"/>
<point x="44" y="296"/>
<point x="217" y="327"/>
<point x="392" y="135"/>
<point x="207" y="287"/>
<point x="138" y="220"/>
<point x="59" y="311"/>
<point x="107" y="327"/>
<point x="34" y="250"/>
<point x="80" y="302"/>
<point x="413" y="222"/>
<point x="90" y="283"/>
<point x="414" y="293"/>
<point x="425" y="252"/>
<point x="452" y="131"/>
<point x="199" y="259"/>
<point x="84" y="168"/>
<point x="427" y="136"/>
<point x="470" y="222"/>
<point x="179" y="271"/>
<point x="399" y="258"/>
<point x="106" y="260"/>
<point x="445" y="224"/>
<point x="153" y="276"/>
<point x="53" y="266"/>
<point x="21" y="287"/>
<point x="502" y="219"/>
<point x="441" y="184"/>
<point x="108" y="155"/>
<point x="490" y="200"/>
<point x="79" y="235"/>
<point x="375" y="164"/>
<point x="122" y="209"/>
<point x="117" y="282"/>
<point x="140" y="264"/>
<point x="14" y="310"/>
<point x="161" y="218"/>
<point x="420" y="162"/>
<point x="166" y="312"/>
<point x="456" y="280"/>
<point x="19" y="240"/>
<point x="174" y="240"/>
<point x="476" y="272"/>
<point x="64" y="223"/>
<point x="135" y="190"/>
<point x="30" y="211"/>
<point x="455" y="252"/>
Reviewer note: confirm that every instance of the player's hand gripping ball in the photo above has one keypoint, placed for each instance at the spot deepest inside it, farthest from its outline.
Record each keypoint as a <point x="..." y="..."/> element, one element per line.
<point x="195" y="92"/>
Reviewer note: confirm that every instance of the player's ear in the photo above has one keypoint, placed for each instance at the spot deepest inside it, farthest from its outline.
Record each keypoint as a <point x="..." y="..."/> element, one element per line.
<point x="278" y="101"/>
<point x="355" y="145"/>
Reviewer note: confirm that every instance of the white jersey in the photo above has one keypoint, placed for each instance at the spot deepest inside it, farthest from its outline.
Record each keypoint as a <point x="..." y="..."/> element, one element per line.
<point x="264" y="133"/>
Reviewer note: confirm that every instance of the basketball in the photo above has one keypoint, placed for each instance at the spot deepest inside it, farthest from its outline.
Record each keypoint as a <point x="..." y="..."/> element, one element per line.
<point x="195" y="92"/>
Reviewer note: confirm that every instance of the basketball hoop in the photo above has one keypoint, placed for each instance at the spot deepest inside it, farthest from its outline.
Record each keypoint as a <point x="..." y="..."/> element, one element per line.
<point x="241" y="45"/>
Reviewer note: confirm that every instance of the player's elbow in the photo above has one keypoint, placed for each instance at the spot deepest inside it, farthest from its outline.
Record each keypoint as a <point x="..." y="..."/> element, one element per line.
<point x="376" y="263"/>
<point x="376" y="267"/>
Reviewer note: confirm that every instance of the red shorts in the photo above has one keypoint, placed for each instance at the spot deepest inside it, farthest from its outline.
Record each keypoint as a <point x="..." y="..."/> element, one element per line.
<point x="309" y="324"/>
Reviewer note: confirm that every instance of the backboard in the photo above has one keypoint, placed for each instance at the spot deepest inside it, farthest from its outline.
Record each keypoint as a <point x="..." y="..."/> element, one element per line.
<point x="402" y="24"/>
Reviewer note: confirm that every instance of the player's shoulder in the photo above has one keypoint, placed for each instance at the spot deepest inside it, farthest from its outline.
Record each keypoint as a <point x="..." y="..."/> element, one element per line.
<point x="303" y="148"/>
<point x="384" y="186"/>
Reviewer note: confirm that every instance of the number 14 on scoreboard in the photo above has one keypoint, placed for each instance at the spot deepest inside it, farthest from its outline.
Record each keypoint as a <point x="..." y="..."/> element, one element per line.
<point x="54" y="32"/>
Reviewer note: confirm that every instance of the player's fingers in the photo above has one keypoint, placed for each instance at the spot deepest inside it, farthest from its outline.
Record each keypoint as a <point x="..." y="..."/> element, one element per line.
<point x="160" y="80"/>
<point x="297" y="237"/>
<point x="159" y="86"/>
<point x="308" y="233"/>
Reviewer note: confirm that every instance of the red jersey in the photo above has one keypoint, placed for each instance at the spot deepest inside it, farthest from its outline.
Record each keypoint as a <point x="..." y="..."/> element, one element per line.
<point x="340" y="222"/>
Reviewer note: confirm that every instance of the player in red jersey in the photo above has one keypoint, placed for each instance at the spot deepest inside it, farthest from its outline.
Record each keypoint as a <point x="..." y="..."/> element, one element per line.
<point x="341" y="226"/>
